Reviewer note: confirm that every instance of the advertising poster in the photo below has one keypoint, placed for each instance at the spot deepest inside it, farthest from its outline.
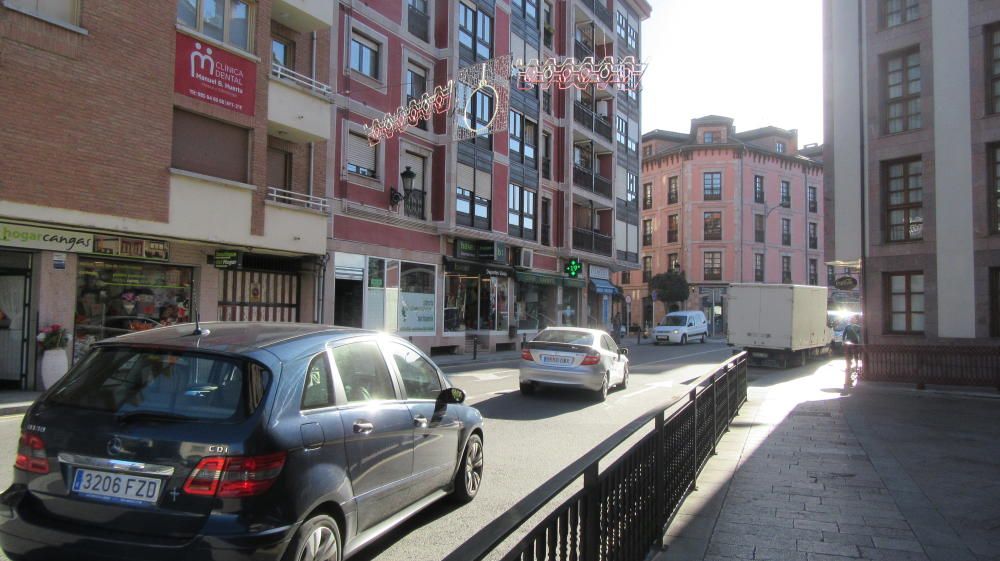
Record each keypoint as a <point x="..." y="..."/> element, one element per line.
<point x="416" y="311"/>
<point x="212" y="74"/>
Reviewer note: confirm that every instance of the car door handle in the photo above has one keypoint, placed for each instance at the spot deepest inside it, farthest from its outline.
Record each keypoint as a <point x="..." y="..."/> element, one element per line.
<point x="363" y="427"/>
<point x="420" y="421"/>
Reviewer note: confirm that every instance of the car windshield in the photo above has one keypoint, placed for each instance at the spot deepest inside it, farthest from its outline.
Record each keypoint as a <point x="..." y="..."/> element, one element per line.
<point x="190" y="386"/>
<point x="675" y="320"/>
<point x="565" y="336"/>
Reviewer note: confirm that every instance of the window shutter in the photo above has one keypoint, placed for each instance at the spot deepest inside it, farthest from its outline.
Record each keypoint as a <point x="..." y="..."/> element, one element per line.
<point x="366" y="42"/>
<point x="416" y="164"/>
<point x="359" y="153"/>
<point x="466" y="177"/>
<point x="484" y="184"/>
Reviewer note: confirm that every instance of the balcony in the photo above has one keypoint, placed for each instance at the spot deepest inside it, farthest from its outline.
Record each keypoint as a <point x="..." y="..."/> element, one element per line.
<point x="583" y="115"/>
<point x="298" y="107"/>
<point x="583" y="178"/>
<point x="546" y="168"/>
<point x="286" y="197"/>
<point x="602" y="185"/>
<point x="602" y="13"/>
<point x="303" y="15"/>
<point x="602" y="127"/>
<point x="418" y="23"/>
<point x="587" y="240"/>
<point x="413" y="206"/>
<point x="582" y="50"/>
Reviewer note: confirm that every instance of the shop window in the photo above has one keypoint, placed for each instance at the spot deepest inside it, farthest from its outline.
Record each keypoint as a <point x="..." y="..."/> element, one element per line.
<point x="416" y="297"/>
<point x="209" y="147"/>
<point x="226" y="21"/>
<point x="65" y="11"/>
<point x="118" y="297"/>
<point x="475" y="303"/>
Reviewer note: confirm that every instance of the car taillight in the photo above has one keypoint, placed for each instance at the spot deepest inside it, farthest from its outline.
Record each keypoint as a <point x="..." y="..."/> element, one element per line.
<point x="234" y="476"/>
<point x="526" y="355"/>
<point x="590" y="360"/>
<point x="31" y="453"/>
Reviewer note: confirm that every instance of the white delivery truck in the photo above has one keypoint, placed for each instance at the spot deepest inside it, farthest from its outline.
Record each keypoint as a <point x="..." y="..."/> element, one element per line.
<point x="778" y="324"/>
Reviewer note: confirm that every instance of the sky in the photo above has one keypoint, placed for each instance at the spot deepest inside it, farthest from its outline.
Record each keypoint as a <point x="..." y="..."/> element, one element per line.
<point x="757" y="61"/>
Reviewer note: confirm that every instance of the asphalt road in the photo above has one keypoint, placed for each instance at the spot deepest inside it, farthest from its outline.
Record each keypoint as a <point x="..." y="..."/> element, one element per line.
<point x="528" y="439"/>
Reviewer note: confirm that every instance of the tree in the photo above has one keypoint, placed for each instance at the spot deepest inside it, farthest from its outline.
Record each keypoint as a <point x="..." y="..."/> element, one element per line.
<point x="669" y="287"/>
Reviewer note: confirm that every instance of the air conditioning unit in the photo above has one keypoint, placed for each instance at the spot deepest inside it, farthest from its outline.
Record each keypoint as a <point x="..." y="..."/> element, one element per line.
<point x="525" y="258"/>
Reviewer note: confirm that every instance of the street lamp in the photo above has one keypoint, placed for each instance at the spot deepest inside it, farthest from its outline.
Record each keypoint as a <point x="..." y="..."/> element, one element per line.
<point x="766" y="214"/>
<point x="395" y="196"/>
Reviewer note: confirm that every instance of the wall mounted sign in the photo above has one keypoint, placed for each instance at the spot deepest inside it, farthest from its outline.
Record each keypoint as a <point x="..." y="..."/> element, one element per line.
<point x="466" y="249"/>
<point x="214" y="75"/>
<point x="598" y="272"/>
<point x="36" y="237"/>
<point x="846" y="283"/>
<point x="573" y="268"/>
<point x="227" y="259"/>
<point x="59" y="261"/>
<point x="493" y="251"/>
<point x="140" y="248"/>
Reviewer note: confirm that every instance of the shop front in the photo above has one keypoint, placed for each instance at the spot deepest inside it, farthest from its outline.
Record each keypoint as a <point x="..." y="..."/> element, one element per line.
<point x="600" y="294"/>
<point x="535" y="301"/>
<point x="15" y="313"/>
<point x="476" y="298"/>
<point x="392" y="295"/>
<point x="569" y="310"/>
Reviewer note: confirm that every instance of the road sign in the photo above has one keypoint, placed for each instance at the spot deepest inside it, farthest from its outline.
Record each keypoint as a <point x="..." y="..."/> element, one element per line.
<point x="628" y="299"/>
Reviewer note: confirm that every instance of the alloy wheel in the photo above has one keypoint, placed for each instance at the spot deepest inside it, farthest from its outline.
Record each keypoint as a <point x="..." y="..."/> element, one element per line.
<point x="473" y="466"/>
<point x="321" y="545"/>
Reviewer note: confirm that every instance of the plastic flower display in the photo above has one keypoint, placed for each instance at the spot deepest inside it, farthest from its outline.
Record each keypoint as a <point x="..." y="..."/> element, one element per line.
<point x="52" y="337"/>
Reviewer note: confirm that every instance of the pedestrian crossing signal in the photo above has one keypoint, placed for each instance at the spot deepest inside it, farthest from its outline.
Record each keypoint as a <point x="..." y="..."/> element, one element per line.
<point x="573" y="268"/>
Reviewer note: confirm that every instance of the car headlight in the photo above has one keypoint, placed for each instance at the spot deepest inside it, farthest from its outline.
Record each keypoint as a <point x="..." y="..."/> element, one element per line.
<point x="676" y="331"/>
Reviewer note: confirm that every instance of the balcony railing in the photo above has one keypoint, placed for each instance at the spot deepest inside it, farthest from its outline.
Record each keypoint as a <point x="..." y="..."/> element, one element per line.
<point x="602" y="13"/>
<point x="287" y="197"/>
<point x="418" y="23"/>
<point x="602" y="186"/>
<point x="587" y="240"/>
<point x="285" y="73"/>
<point x="583" y="178"/>
<point x="602" y="127"/>
<point x="546" y="168"/>
<point x="582" y="50"/>
<point x="413" y="206"/>
<point x="583" y="115"/>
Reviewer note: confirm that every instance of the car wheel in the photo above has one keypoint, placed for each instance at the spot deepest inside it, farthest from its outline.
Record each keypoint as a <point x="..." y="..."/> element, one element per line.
<point x="703" y="338"/>
<point x="656" y="343"/>
<point x="318" y="539"/>
<point x="684" y="339"/>
<point x="527" y="388"/>
<point x="602" y="394"/>
<point x="470" y="473"/>
<point x="624" y="383"/>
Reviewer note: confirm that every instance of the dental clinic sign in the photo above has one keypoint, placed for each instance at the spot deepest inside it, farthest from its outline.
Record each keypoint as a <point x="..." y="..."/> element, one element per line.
<point x="32" y="237"/>
<point x="214" y="75"/>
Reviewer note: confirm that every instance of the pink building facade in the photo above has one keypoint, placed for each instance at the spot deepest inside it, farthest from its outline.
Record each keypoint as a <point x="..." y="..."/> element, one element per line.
<point x="725" y="207"/>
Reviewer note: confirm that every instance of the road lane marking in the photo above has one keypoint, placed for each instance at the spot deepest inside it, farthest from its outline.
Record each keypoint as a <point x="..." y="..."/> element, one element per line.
<point x="673" y="358"/>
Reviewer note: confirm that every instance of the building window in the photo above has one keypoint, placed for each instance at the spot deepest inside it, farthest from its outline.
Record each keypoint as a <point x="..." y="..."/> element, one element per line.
<point x="758" y="228"/>
<point x="416" y="86"/>
<point x="210" y="147"/>
<point x="994" y="186"/>
<point x="786" y="231"/>
<point x="364" y="56"/>
<point x="482" y="115"/>
<point x="813" y="201"/>
<point x="672" y="190"/>
<point x="471" y="207"/>
<point x="548" y="29"/>
<point x="813" y="236"/>
<point x="904" y="200"/>
<point x="712" y="182"/>
<point x="279" y="168"/>
<point x="621" y="130"/>
<point x="647" y="151"/>
<point x="418" y="18"/>
<point x="994" y="70"/>
<point x="546" y="155"/>
<point x="647" y="232"/>
<point x="647" y="196"/>
<point x="515" y="134"/>
<point x="713" y="265"/>
<point x="226" y="21"/>
<point x="672" y="226"/>
<point x="621" y="24"/>
<point x="626" y="277"/>
<point x="786" y="269"/>
<point x="415" y="204"/>
<point x="631" y="189"/>
<point x="830" y="275"/>
<point x="758" y="188"/>
<point x="647" y="268"/>
<point x="813" y="272"/>
<point x="520" y="212"/>
<point x="283" y="52"/>
<point x="673" y="262"/>
<point x="779" y="147"/>
<point x="546" y="221"/>
<point x="902" y="91"/>
<point x="484" y="35"/>
<point x="466" y="26"/>
<point x="898" y="12"/>
<point x="633" y="38"/>
<point x="708" y="137"/>
<point x="361" y="158"/>
<point x="758" y="267"/>
<point x="905" y="303"/>
<point x="786" y="194"/>
<point x="713" y="225"/>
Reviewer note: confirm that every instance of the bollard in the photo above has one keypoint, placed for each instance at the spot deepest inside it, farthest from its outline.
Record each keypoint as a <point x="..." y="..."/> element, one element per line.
<point x="638" y="336"/>
<point x="524" y="340"/>
<point x="475" y="346"/>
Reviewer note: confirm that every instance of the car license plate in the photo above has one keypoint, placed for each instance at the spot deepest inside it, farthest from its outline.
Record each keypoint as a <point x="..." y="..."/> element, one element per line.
<point x="555" y="359"/>
<point x="116" y="487"/>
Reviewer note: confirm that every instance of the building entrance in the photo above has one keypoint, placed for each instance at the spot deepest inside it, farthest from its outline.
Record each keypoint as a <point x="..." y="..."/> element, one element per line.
<point x="15" y="303"/>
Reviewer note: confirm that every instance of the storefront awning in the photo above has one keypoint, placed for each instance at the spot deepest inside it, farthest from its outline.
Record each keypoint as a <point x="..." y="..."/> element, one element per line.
<point x="539" y="278"/>
<point x="468" y="267"/>
<point x="602" y="286"/>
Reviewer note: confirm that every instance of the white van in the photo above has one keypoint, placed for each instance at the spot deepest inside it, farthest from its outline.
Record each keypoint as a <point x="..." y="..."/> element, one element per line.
<point x="681" y="327"/>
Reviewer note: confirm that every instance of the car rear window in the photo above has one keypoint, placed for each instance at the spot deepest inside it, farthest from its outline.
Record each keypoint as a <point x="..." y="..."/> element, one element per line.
<point x="188" y="386"/>
<point x="565" y="336"/>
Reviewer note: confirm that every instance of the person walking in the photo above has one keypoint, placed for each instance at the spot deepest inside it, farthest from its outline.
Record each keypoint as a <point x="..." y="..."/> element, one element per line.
<point x="616" y="327"/>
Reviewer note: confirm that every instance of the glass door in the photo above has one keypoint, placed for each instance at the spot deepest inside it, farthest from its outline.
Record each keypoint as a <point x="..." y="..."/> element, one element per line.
<point x="15" y="303"/>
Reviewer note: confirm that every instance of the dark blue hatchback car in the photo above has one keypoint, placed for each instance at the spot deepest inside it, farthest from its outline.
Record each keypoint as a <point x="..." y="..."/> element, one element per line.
<point x="237" y="441"/>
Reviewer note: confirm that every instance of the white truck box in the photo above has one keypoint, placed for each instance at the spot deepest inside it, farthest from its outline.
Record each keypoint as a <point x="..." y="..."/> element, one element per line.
<point x="777" y="322"/>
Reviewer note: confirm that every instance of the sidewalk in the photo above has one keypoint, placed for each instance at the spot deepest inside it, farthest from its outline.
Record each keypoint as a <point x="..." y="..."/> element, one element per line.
<point x="16" y="402"/>
<point x="885" y="473"/>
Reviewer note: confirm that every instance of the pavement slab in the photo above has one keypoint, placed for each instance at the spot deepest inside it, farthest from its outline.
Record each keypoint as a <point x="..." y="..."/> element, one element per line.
<point x="882" y="473"/>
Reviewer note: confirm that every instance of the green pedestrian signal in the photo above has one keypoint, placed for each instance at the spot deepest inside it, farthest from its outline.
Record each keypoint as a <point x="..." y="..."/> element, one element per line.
<point x="573" y="268"/>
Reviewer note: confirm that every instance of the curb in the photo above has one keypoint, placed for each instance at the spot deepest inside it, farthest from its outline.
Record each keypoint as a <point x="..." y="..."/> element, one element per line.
<point x="471" y="362"/>
<point x="15" y="408"/>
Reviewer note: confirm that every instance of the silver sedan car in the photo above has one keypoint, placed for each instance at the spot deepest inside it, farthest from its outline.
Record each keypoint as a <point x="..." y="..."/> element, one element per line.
<point x="573" y="357"/>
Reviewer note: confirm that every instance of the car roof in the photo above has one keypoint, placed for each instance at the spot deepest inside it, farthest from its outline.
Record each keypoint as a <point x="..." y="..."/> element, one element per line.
<point x="233" y="337"/>
<point x="577" y="329"/>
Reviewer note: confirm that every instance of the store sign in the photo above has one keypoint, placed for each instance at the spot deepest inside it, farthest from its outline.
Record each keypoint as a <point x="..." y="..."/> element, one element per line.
<point x="139" y="248"/>
<point x="214" y="75"/>
<point x="598" y="272"/>
<point x="466" y="249"/>
<point x="227" y="259"/>
<point x="416" y="311"/>
<point x="846" y="283"/>
<point x="493" y="251"/>
<point x="33" y="237"/>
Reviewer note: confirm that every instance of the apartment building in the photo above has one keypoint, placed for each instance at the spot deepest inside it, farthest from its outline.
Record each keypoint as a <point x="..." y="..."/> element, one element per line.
<point x="912" y="151"/>
<point x="725" y="207"/>
<point x="450" y="240"/>
<point x="162" y="161"/>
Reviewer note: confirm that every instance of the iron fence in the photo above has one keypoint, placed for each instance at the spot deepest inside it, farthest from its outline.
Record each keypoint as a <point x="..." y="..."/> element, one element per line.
<point x="954" y="365"/>
<point x="623" y="511"/>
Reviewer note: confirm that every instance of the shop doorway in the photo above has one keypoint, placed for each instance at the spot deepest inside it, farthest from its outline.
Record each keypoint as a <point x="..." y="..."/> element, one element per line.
<point x="348" y="303"/>
<point x="15" y="304"/>
<point x="259" y="296"/>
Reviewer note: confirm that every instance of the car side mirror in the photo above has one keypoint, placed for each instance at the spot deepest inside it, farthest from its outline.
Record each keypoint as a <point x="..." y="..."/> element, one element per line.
<point x="451" y="395"/>
<point x="623" y="351"/>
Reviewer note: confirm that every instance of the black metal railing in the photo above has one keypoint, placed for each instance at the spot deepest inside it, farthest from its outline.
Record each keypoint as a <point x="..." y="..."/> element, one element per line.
<point x="602" y="185"/>
<point x="583" y="115"/>
<point x="547" y="102"/>
<point x="583" y="178"/>
<point x="588" y="240"/>
<point x="582" y="50"/>
<point x="418" y="23"/>
<point x="622" y="512"/>
<point x="953" y="365"/>
<point x="546" y="168"/>
<point x="602" y="127"/>
<point x="602" y="13"/>
<point x="413" y="206"/>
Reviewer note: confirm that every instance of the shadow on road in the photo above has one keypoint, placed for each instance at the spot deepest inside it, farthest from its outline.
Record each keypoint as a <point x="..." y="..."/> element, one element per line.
<point x="544" y="404"/>
<point x="767" y="377"/>
<point x="433" y="512"/>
